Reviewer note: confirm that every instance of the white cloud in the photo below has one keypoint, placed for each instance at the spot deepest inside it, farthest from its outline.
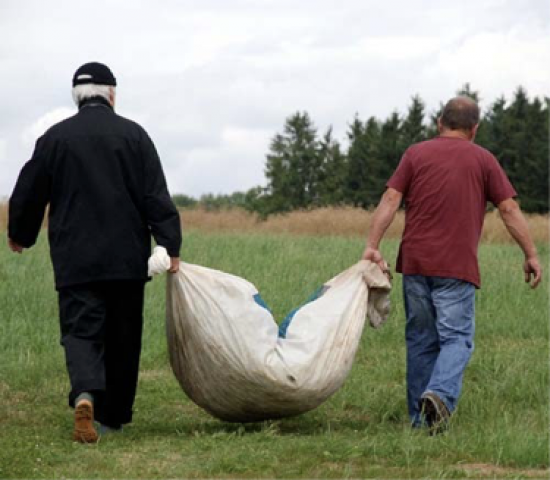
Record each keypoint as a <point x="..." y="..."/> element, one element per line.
<point x="230" y="166"/>
<point x="3" y="150"/>
<point x="39" y="127"/>
<point x="213" y="81"/>
<point x="498" y="62"/>
<point x="8" y="168"/>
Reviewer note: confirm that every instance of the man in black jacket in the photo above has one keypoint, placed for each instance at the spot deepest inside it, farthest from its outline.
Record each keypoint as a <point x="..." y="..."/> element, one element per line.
<point x="107" y="194"/>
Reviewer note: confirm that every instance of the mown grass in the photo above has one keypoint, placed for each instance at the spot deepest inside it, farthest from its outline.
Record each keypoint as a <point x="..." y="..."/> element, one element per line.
<point x="500" y="429"/>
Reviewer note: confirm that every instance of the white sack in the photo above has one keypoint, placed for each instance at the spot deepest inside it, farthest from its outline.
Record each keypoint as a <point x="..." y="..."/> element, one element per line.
<point x="225" y="348"/>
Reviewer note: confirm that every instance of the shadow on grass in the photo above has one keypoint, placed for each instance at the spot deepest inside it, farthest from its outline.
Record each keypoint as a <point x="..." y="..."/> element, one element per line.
<point x="312" y="425"/>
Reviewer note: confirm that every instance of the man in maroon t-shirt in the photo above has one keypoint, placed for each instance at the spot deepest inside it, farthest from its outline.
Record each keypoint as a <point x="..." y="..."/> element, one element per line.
<point x="446" y="183"/>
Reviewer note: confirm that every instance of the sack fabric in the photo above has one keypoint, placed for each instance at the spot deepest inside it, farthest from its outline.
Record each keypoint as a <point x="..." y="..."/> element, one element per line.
<point x="229" y="356"/>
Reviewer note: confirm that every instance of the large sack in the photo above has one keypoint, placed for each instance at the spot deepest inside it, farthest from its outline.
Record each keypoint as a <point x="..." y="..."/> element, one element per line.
<point x="231" y="358"/>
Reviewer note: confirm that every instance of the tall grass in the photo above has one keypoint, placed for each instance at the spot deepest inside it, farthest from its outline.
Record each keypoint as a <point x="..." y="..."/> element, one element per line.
<point x="3" y="216"/>
<point x="344" y="222"/>
<point x="347" y="222"/>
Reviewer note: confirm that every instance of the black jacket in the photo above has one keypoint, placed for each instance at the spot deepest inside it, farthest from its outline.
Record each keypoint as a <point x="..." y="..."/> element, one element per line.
<point x="103" y="179"/>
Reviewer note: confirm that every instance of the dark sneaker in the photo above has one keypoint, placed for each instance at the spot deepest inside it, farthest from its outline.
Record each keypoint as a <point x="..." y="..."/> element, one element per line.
<point x="84" y="429"/>
<point x="435" y="412"/>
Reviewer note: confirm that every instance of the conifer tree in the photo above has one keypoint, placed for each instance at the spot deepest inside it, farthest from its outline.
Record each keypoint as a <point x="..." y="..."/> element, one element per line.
<point x="333" y="171"/>
<point x="413" y="129"/>
<point x="293" y="165"/>
<point x="391" y="147"/>
<point x="303" y="171"/>
<point x="356" y="177"/>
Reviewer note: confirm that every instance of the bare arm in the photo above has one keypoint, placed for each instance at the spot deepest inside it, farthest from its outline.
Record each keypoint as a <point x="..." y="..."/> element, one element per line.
<point x="517" y="226"/>
<point x="381" y="220"/>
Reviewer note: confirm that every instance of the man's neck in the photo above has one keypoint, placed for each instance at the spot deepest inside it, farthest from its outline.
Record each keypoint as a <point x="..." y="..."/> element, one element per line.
<point x="456" y="134"/>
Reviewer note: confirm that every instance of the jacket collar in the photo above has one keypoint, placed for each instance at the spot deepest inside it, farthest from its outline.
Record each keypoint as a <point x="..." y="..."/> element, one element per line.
<point x="94" y="102"/>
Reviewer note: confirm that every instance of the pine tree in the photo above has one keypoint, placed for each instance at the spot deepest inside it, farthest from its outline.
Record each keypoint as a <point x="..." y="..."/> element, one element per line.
<point x="391" y="149"/>
<point x="303" y="171"/>
<point x="356" y="177"/>
<point x="540" y="187"/>
<point x="293" y="165"/>
<point x="517" y="124"/>
<point x="495" y="134"/>
<point x="333" y="171"/>
<point x="466" y="91"/>
<point x="376" y="178"/>
<point x="412" y="128"/>
<point x="534" y="165"/>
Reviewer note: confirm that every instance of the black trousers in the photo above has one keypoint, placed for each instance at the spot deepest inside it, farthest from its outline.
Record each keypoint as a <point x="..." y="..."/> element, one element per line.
<point x="101" y="328"/>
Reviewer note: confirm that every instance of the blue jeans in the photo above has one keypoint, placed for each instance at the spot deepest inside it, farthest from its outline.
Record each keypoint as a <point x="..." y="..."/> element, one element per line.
<point x="440" y="338"/>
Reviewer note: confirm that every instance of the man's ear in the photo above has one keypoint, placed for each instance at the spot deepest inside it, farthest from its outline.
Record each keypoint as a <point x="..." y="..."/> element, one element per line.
<point x="112" y="96"/>
<point x="439" y="126"/>
<point x="474" y="131"/>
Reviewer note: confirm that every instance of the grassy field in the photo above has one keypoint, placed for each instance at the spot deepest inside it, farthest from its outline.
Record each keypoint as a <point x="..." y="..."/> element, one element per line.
<point x="500" y="429"/>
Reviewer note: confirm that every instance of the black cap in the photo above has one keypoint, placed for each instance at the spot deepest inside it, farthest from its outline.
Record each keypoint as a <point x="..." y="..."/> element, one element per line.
<point x="94" y="72"/>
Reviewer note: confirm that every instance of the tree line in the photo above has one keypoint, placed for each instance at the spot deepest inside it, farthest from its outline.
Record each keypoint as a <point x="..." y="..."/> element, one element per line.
<point x="308" y="169"/>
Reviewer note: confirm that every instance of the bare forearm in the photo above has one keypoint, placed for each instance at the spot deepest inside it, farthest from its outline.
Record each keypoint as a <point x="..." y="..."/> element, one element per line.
<point x="383" y="217"/>
<point x="517" y="227"/>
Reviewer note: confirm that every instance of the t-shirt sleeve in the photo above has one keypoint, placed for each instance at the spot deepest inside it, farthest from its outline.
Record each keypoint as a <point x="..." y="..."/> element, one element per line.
<point x="497" y="186"/>
<point x="401" y="178"/>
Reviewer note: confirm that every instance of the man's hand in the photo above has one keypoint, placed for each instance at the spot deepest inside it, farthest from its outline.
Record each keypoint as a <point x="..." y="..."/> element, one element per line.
<point x="517" y="226"/>
<point x="375" y="256"/>
<point x="174" y="264"/>
<point x="532" y="267"/>
<point x="15" y="247"/>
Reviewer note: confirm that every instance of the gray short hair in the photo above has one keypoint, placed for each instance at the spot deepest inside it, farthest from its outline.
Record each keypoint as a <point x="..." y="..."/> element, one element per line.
<point x="460" y="113"/>
<point x="89" y="90"/>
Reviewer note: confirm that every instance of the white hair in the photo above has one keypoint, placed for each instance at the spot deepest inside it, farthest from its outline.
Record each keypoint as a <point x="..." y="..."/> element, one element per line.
<point x="89" y="90"/>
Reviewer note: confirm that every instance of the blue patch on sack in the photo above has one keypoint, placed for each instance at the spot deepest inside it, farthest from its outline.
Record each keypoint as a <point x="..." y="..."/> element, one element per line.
<point x="261" y="302"/>
<point x="283" y="327"/>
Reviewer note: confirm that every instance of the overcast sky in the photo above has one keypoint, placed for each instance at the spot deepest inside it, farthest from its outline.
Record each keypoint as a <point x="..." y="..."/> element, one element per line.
<point x="213" y="80"/>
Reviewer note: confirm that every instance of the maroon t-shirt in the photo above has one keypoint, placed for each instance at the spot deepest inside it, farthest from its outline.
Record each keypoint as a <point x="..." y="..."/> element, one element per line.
<point x="446" y="183"/>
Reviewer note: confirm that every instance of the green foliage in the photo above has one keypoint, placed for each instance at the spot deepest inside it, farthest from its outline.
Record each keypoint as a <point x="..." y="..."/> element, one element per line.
<point x="412" y="129"/>
<point x="304" y="171"/>
<point x="358" y="153"/>
<point x="518" y="136"/>
<point x="332" y="171"/>
<point x="184" y="201"/>
<point x="213" y="202"/>
<point x="293" y="165"/>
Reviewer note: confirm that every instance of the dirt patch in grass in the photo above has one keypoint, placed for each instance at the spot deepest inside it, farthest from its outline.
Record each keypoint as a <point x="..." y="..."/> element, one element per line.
<point x="482" y="470"/>
<point x="13" y="398"/>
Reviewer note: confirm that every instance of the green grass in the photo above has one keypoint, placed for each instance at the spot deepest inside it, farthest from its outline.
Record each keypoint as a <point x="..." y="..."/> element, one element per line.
<point x="500" y="429"/>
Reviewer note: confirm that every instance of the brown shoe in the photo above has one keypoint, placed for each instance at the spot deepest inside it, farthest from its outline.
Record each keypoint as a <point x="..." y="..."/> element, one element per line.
<point x="84" y="429"/>
<point x="435" y="411"/>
